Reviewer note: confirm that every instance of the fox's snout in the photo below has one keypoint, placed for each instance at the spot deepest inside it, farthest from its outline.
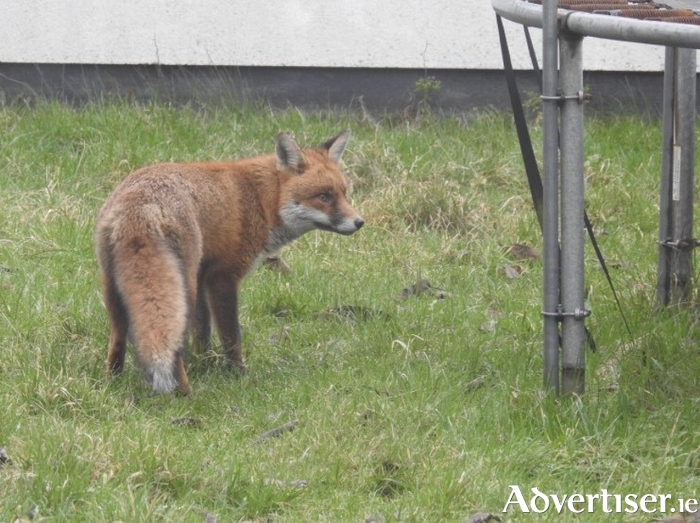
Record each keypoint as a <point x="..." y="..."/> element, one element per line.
<point x="350" y="226"/>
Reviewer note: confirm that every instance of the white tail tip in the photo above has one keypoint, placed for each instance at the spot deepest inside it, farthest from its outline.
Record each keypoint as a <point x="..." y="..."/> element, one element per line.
<point x="163" y="380"/>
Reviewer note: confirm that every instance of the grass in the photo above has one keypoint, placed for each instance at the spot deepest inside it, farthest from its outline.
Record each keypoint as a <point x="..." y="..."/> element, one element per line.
<point x="423" y="410"/>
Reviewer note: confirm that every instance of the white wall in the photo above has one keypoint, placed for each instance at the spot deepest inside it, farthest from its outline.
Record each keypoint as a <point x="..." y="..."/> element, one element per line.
<point x="452" y="34"/>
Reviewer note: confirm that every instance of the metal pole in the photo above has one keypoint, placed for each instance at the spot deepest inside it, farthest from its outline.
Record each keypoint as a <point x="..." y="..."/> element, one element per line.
<point x="550" y="167"/>
<point x="674" y="272"/>
<point x="682" y="185"/>
<point x="663" y="269"/>
<point x="572" y="232"/>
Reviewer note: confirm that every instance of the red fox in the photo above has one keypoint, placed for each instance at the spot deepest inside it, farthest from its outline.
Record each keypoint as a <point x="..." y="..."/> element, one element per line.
<point x="174" y="241"/>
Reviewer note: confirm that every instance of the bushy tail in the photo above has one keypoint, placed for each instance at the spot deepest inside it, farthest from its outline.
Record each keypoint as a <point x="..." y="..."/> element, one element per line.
<point x="150" y="279"/>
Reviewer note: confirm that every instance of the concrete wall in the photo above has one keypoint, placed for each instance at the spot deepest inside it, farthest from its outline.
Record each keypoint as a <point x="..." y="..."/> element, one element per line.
<point x="410" y="34"/>
<point x="307" y="53"/>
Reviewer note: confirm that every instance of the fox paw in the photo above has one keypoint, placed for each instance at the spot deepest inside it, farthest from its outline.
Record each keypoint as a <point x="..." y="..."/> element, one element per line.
<point x="238" y="367"/>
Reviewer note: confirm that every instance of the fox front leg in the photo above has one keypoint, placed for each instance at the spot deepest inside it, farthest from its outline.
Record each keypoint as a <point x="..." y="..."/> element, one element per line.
<point x="223" y="299"/>
<point x="201" y="321"/>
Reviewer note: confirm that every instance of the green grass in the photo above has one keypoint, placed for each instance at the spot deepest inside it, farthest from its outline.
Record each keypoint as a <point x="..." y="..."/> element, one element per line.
<point x="426" y="411"/>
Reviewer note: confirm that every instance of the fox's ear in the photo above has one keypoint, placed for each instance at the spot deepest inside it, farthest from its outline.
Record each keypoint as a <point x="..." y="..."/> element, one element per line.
<point x="289" y="155"/>
<point x="336" y="145"/>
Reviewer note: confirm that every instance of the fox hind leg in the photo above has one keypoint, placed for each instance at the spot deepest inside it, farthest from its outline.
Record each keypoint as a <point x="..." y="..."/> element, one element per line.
<point x="183" y="383"/>
<point x="201" y="318"/>
<point x="118" y="326"/>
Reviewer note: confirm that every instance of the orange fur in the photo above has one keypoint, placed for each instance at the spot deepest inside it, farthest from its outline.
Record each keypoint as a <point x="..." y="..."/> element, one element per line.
<point x="174" y="241"/>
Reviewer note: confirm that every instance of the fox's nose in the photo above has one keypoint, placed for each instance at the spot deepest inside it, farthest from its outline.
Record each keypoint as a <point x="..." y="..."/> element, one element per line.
<point x="359" y="222"/>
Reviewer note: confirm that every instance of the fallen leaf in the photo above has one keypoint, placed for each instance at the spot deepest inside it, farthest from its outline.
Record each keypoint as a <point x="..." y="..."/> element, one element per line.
<point x="423" y="286"/>
<point x="278" y="264"/>
<point x="185" y="422"/>
<point x="488" y="326"/>
<point x="441" y="294"/>
<point x="31" y="514"/>
<point x="522" y="252"/>
<point x="4" y="456"/>
<point x="416" y="289"/>
<point x="512" y="271"/>
<point x="482" y="517"/>
<point x="474" y="384"/>
<point x="277" y="431"/>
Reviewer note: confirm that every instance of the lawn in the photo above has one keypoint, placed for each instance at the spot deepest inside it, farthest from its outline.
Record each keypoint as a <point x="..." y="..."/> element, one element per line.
<point x="394" y="401"/>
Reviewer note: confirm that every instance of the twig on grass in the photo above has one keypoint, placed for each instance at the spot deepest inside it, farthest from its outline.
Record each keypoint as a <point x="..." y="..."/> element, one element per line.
<point x="277" y="431"/>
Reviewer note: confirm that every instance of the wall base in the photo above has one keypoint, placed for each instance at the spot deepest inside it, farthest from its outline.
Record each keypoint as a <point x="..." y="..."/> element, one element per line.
<point x="379" y="90"/>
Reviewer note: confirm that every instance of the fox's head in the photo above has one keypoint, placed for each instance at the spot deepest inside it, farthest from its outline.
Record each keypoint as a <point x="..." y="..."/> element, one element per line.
<point x="315" y="195"/>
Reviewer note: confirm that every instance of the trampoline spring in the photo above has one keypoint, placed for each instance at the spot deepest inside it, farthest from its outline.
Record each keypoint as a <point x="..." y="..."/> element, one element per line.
<point x="621" y="12"/>
<point x="604" y="6"/>
<point x="561" y="3"/>
<point x="656" y="13"/>
<point x="694" y="20"/>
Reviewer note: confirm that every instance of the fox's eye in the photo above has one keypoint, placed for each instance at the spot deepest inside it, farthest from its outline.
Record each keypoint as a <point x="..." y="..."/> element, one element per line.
<point x="325" y="197"/>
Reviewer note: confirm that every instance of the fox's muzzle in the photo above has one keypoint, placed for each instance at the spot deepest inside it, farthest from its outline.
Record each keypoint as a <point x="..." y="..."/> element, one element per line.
<point x="345" y="226"/>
